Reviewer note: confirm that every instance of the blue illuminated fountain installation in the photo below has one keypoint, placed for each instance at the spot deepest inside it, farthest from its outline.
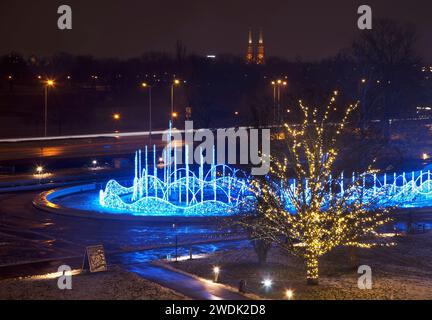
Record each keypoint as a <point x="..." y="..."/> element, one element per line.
<point x="220" y="190"/>
<point x="405" y="190"/>
<point x="173" y="189"/>
<point x="176" y="190"/>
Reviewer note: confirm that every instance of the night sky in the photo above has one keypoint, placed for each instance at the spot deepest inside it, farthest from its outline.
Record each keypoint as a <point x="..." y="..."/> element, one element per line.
<point x="310" y="29"/>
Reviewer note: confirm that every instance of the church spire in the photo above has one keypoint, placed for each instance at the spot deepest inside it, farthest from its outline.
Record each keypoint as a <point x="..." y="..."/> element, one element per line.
<point x="250" y="49"/>
<point x="260" y="59"/>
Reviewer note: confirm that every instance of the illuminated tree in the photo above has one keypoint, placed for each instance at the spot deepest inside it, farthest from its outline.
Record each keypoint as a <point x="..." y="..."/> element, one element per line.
<point x="305" y="210"/>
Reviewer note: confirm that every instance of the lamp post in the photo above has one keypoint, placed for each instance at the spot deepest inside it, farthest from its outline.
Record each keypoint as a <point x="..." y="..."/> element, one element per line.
<point x="146" y="85"/>
<point x="274" y="100"/>
<point x="48" y="83"/>
<point x="176" y="82"/>
<point x="277" y="98"/>
<point x="216" y="271"/>
<point x="176" y="242"/>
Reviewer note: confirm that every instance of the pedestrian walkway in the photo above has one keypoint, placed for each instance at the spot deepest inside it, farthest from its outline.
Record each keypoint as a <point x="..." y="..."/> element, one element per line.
<point x="184" y="284"/>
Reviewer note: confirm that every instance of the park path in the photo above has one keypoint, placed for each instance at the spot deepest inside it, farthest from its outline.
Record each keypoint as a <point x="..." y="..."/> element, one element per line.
<point x="184" y="284"/>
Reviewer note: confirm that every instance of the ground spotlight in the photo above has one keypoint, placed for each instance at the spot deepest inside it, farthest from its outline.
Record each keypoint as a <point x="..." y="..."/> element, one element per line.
<point x="289" y="294"/>
<point x="267" y="283"/>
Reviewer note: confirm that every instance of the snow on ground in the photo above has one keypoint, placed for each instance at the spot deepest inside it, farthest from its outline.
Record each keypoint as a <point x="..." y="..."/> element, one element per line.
<point x="116" y="284"/>
<point x="400" y="272"/>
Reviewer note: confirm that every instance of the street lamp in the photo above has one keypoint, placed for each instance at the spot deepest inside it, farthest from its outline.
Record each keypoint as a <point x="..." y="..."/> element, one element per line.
<point x="116" y="116"/>
<point x="176" y="82"/>
<point x="49" y="83"/>
<point x="147" y="86"/>
<point x="277" y="84"/>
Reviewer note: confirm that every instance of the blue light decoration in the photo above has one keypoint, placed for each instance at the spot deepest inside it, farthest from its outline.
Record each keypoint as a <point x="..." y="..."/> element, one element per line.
<point x="406" y="190"/>
<point x="220" y="191"/>
<point x="223" y="191"/>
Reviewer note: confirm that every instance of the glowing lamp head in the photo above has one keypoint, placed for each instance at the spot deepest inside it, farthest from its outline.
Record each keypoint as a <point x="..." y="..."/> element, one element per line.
<point x="116" y="116"/>
<point x="176" y="82"/>
<point x="289" y="294"/>
<point x="39" y="169"/>
<point x="363" y="80"/>
<point x="267" y="283"/>
<point x="144" y="85"/>
<point x="94" y="162"/>
<point x="279" y="81"/>
<point x="174" y="114"/>
<point x="216" y="270"/>
<point x="284" y="83"/>
<point x="50" y="83"/>
<point x="425" y="156"/>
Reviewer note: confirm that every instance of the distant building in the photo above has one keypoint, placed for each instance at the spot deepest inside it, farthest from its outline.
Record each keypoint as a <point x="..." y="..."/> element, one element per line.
<point x="255" y="55"/>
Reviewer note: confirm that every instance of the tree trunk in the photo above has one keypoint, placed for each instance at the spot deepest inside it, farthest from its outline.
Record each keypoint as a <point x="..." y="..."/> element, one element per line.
<point x="312" y="270"/>
<point x="261" y="248"/>
<point x="352" y="256"/>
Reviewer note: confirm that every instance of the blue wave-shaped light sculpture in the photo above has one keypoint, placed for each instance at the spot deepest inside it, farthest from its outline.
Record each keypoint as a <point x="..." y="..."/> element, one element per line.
<point x="221" y="191"/>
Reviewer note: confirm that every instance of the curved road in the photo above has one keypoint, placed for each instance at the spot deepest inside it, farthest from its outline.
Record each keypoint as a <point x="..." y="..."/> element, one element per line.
<point x="29" y="235"/>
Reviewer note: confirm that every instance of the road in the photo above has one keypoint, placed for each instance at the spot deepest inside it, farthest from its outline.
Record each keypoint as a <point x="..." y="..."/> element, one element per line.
<point x="35" y="242"/>
<point x="73" y="148"/>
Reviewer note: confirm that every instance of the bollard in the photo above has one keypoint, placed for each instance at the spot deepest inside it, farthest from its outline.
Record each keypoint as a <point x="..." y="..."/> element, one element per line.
<point x="242" y="286"/>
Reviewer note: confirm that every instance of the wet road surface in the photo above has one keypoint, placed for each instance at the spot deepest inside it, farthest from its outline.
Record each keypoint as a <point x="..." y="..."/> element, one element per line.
<point x="35" y="242"/>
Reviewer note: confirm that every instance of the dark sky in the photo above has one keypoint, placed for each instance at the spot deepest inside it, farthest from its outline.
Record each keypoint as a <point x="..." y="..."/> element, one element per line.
<point x="311" y="29"/>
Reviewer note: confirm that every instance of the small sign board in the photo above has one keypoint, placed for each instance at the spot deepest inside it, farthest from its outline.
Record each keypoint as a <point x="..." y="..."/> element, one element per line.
<point x="96" y="258"/>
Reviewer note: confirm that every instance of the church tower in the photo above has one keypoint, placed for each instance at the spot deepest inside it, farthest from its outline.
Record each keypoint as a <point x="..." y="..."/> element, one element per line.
<point x="260" y="59"/>
<point x="250" y="49"/>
